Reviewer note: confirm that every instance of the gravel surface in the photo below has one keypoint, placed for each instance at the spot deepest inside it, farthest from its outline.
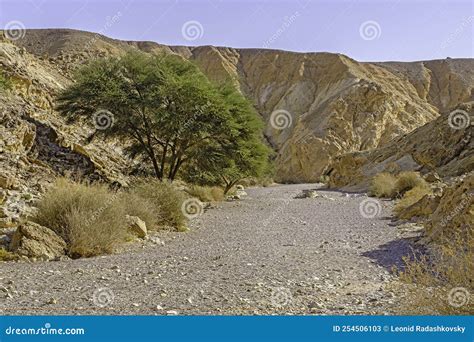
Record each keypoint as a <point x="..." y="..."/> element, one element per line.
<point x="268" y="253"/>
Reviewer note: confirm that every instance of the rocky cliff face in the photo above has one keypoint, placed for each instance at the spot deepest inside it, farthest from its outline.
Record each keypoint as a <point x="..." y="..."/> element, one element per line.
<point x="317" y="106"/>
<point x="444" y="145"/>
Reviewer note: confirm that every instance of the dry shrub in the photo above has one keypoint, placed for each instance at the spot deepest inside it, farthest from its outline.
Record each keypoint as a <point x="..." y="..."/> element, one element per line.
<point x="90" y="218"/>
<point x="411" y="197"/>
<point x="143" y="208"/>
<point x="383" y="185"/>
<point x="444" y="283"/>
<point x="252" y="181"/>
<point x="165" y="199"/>
<point x="408" y="180"/>
<point x="7" y="256"/>
<point x="206" y="193"/>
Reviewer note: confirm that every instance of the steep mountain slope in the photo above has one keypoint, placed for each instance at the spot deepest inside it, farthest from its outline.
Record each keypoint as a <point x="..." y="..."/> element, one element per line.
<point x="438" y="146"/>
<point x="316" y="105"/>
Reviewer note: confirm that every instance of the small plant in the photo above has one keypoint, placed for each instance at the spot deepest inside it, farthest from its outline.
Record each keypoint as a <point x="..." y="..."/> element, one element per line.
<point x="90" y="218"/>
<point x="411" y="197"/>
<point x="5" y="83"/>
<point x="408" y="180"/>
<point x="206" y="193"/>
<point x="443" y="283"/>
<point x="7" y="256"/>
<point x="383" y="185"/>
<point x="164" y="197"/>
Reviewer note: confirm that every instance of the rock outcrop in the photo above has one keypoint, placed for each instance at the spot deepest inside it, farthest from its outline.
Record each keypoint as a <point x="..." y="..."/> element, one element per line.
<point x="439" y="146"/>
<point x="35" y="241"/>
<point x="455" y="212"/>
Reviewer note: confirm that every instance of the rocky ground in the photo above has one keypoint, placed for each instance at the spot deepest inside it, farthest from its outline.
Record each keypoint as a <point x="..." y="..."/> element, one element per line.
<point x="269" y="253"/>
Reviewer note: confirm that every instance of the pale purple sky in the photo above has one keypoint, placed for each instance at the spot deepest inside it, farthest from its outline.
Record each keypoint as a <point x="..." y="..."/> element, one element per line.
<point x="404" y="30"/>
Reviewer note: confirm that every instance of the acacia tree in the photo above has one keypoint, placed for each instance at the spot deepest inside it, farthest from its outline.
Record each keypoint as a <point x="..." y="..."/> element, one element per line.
<point x="242" y="156"/>
<point x="170" y="111"/>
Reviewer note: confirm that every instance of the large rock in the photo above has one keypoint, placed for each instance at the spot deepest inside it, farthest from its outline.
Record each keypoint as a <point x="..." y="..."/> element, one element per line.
<point x="137" y="226"/>
<point x="35" y="241"/>
<point x="455" y="211"/>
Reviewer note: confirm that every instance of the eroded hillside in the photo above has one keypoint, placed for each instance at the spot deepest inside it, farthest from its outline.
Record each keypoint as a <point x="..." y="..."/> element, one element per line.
<point x="323" y="104"/>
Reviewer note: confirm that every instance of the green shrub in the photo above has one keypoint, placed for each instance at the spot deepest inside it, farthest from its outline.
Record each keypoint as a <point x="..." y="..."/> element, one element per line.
<point x="4" y="82"/>
<point x="7" y="256"/>
<point x="165" y="198"/>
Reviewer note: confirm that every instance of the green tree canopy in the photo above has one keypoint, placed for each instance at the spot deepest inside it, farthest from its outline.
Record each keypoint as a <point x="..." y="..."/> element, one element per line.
<point x="172" y="114"/>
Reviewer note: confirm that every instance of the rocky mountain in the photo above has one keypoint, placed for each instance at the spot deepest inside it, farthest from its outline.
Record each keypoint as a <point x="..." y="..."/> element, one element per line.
<point x="444" y="145"/>
<point x="317" y="106"/>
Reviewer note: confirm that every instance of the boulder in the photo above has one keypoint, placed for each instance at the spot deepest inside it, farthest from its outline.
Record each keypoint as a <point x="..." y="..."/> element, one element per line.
<point x="239" y="187"/>
<point x="308" y="194"/>
<point x="35" y="241"/>
<point x="137" y="226"/>
<point x="432" y="177"/>
<point x="240" y="193"/>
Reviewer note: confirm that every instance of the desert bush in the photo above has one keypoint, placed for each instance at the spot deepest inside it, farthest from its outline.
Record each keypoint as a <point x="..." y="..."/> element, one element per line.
<point x="206" y="193"/>
<point x="5" y="83"/>
<point x="90" y="218"/>
<point x="408" y="180"/>
<point x="441" y="284"/>
<point x="7" y="256"/>
<point x="165" y="198"/>
<point x="411" y="197"/>
<point x="136" y="205"/>
<point x="383" y="185"/>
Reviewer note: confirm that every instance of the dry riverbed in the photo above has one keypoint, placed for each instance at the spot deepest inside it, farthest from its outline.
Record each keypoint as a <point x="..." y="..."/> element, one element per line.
<point x="269" y="253"/>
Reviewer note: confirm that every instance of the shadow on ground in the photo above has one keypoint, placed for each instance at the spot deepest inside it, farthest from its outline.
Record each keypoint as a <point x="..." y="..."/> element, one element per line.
<point x="390" y="255"/>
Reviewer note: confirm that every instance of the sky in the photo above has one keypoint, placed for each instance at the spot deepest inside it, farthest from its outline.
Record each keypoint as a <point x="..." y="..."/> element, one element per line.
<point x="383" y="30"/>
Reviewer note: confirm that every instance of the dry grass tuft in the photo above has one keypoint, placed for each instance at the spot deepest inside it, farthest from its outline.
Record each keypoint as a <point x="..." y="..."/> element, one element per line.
<point x="383" y="185"/>
<point x="90" y="218"/>
<point x="411" y="197"/>
<point x="7" y="256"/>
<point x="206" y="193"/>
<point x="443" y="284"/>
<point x="165" y="199"/>
<point x="408" y="180"/>
<point x="386" y="185"/>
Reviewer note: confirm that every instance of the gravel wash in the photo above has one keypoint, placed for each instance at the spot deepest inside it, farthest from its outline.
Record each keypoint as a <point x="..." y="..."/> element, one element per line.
<point x="266" y="254"/>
